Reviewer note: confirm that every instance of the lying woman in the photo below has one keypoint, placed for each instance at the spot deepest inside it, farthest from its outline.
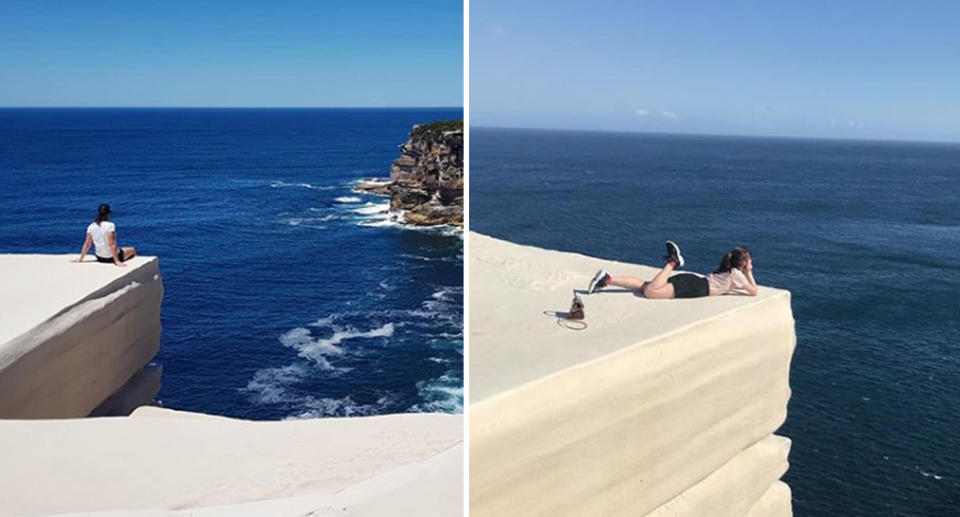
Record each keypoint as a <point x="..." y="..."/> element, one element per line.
<point x="102" y="235"/>
<point x="733" y="276"/>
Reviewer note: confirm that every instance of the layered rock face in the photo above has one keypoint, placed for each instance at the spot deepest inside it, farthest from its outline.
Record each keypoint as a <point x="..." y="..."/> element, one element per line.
<point x="652" y="408"/>
<point x="427" y="178"/>
<point x="75" y="338"/>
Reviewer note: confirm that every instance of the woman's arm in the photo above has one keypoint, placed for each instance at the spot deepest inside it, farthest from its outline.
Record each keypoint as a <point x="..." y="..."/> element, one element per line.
<point x="112" y="239"/>
<point x="752" y="284"/>
<point x="86" y="248"/>
<point x="748" y="273"/>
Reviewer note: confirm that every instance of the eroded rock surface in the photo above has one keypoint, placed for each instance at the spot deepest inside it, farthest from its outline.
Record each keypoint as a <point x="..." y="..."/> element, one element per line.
<point x="427" y="178"/>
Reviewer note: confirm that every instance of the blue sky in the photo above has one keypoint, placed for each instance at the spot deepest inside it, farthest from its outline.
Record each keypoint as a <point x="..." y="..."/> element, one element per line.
<point x="852" y="69"/>
<point x="231" y="53"/>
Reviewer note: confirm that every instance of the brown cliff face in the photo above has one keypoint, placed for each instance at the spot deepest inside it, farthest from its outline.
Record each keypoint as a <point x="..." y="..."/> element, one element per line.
<point x="427" y="178"/>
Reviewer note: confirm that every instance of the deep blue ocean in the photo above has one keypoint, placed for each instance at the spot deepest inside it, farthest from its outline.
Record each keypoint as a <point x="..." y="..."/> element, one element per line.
<point x="286" y="294"/>
<point x="866" y="235"/>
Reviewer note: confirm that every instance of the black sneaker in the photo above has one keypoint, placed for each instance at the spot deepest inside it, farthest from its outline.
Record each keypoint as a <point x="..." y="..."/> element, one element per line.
<point x="673" y="255"/>
<point x="599" y="282"/>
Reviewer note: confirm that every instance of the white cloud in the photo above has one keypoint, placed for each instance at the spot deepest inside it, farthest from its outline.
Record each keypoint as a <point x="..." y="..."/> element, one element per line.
<point x="669" y="115"/>
<point x="664" y="114"/>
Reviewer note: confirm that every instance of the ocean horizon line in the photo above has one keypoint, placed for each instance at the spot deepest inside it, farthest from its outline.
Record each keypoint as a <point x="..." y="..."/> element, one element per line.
<point x="722" y="135"/>
<point x="305" y="108"/>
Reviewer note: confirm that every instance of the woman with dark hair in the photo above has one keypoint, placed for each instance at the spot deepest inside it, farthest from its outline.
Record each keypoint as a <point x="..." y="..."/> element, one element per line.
<point x="733" y="276"/>
<point x="102" y="234"/>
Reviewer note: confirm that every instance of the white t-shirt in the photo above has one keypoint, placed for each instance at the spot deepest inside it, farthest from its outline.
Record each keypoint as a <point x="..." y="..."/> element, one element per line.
<point x="100" y="234"/>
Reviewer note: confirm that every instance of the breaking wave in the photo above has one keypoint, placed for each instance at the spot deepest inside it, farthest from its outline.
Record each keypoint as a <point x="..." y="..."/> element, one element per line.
<point x="282" y="184"/>
<point x="320" y="349"/>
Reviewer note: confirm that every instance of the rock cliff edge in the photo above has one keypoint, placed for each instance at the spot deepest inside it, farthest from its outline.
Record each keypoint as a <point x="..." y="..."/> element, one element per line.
<point x="427" y="178"/>
<point x="657" y="408"/>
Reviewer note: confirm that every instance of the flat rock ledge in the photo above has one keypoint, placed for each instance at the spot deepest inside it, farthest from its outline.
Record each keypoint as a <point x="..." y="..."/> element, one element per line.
<point x="655" y="408"/>
<point x="76" y="340"/>
<point x="73" y="335"/>
<point x="159" y="462"/>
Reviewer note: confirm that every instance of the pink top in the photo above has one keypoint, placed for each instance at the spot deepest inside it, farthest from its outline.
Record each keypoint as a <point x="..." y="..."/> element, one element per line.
<point x="734" y="282"/>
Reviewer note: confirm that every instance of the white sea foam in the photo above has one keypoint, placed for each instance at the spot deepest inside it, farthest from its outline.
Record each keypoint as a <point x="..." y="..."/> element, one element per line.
<point x="323" y="322"/>
<point x="348" y="199"/>
<point x="443" y="229"/>
<point x="344" y="406"/>
<point x="269" y="385"/>
<point x="381" y="223"/>
<point x="326" y="348"/>
<point x="375" y="181"/>
<point x="374" y="209"/>
<point x="281" y="184"/>
<point x="444" y="293"/>
<point x="320" y="350"/>
<point x="451" y="259"/>
<point x="444" y="394"/>
<point x="309" y="222"/>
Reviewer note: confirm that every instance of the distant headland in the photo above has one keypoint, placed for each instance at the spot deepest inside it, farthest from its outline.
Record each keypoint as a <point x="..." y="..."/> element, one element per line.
<point x="426" y="181"/>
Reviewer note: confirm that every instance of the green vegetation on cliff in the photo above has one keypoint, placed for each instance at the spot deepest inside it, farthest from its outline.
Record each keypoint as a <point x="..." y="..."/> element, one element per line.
<point x="437" y="127"/>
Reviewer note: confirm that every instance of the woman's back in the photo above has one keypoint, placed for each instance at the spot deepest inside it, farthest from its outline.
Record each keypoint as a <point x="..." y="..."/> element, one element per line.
<point x="100" y="233"/>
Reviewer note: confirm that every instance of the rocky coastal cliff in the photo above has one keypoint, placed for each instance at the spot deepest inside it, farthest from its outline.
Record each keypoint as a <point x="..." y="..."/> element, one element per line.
<point x="654" y="408"/>
<point x="426" y="181"/>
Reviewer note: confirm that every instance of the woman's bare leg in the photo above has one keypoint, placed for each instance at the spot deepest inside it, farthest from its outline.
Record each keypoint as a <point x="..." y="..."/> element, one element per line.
<point x="129" y="252"/>
<point x="664" y="292"/>
<point x="629" y="282"/>
<point x="659" y="287"/>
<point x="661" y="279"/>
<point x="656" y="288"/>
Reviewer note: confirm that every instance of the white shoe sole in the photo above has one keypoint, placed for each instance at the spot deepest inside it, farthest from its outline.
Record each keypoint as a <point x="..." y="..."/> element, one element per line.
<point x="592" y="288"/>
<point x="679" y="256"/>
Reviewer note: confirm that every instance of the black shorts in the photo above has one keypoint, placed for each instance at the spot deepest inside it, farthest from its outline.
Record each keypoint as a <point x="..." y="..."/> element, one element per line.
<point x="686" y="285"/>
<point x="110" y="260"/>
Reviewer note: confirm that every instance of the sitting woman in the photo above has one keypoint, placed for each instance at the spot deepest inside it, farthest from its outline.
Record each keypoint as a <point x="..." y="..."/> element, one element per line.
<point x="734" y="276"/>
<point x="102" y="234"/>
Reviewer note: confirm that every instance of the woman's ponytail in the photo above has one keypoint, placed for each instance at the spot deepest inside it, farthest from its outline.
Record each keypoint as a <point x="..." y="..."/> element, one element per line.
<point x="724" y="266"/>
<point x="103" y="213"/>
<point x="733" y="259"/>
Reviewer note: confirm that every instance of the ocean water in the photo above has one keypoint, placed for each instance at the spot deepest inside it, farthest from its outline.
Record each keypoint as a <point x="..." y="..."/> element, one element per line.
<point x="286" y="294"/>
<point x="866" y="235"/>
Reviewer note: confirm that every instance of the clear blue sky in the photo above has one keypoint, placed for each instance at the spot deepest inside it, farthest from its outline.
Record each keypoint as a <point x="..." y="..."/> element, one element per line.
<point x="851" y="69"/>
<point x="231" y="53"/>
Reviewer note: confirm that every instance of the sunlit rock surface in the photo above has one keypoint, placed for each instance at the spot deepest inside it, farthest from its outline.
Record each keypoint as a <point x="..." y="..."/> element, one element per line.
<point x="159" y="462"/>
<point x="656" y="407"/>
<point x="72" y="334"/>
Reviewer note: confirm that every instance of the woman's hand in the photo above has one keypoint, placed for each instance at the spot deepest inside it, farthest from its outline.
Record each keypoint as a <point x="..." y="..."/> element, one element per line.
<point x="77" y="260"/>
